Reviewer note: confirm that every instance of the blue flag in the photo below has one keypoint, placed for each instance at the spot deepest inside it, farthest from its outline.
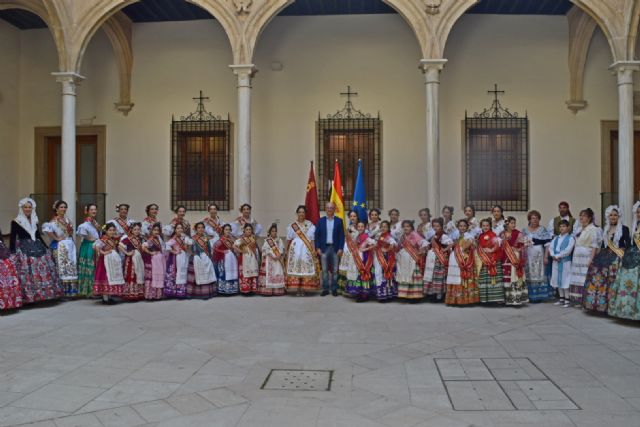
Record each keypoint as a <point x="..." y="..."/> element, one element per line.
<point x="359" y="204"/>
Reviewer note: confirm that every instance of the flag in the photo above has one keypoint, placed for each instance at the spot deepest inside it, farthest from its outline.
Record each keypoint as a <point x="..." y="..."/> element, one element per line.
<point x="336" y="192"/>
<point x="359" y="196"/>
<point x="311" y="199"/>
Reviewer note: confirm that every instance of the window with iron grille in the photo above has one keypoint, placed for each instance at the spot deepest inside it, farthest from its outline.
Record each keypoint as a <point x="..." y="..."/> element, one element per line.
<point x="347" y="136"/>
<point x="201" y="160"/>
<point x="497" y="159"/>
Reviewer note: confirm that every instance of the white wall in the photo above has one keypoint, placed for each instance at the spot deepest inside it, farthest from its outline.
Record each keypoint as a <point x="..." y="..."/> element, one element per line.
<point x="9" y="131"/>
<point x="378" y="55"/>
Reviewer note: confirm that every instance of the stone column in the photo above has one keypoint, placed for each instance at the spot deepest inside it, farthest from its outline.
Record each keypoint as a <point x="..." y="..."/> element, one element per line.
<point x="431" y="69"/>
<point x="624" y="71"/>
<point x="244" y="73"/>
<point x="69" y="82"/>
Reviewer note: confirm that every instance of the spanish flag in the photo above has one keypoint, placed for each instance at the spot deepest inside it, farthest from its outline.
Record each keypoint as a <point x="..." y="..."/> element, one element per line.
<point x="336" y="192"/>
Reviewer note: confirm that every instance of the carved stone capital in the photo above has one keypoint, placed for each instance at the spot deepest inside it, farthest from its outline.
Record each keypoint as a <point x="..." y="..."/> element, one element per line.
<point x="69" y="80"/>
<point x="242" y="6"/>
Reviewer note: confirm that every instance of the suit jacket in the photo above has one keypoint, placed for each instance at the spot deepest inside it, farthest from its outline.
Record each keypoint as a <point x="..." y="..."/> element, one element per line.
<point x="321" y="234"/>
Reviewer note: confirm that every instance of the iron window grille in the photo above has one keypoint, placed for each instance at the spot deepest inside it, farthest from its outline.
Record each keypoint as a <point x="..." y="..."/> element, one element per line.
<point x="349" y="135"/>
<point x="201" y="160"/>
<point x="497" y="158"/>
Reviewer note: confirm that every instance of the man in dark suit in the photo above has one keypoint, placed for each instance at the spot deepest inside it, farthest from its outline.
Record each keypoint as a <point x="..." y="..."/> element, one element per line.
<point x="329" y="240"/>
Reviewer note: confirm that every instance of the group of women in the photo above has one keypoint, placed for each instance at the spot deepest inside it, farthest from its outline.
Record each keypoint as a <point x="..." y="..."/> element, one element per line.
<point x="459" y="263"/>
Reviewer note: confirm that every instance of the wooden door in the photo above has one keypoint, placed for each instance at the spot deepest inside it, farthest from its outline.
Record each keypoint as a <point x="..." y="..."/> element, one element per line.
<point x="614" y="161"/>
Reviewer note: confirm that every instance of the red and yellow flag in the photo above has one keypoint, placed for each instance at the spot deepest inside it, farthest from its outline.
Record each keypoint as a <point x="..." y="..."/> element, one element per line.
<point x="336" y="192"/>
<point x="311" y="198"/>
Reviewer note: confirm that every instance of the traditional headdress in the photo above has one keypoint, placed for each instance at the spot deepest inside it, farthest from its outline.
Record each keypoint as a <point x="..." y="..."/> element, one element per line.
<point x="634" y="217"/>
<point x="29" y="224"/>
<point x="618" y="234"/>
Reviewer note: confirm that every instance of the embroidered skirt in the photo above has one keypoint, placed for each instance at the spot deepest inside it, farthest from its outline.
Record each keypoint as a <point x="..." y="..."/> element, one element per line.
<point x="86" y="269"/>
<point x="600" y="276"/>
<point x="37" y="272"/>
<point x="491" y="288"/>
<point x="624" y="293"/>
<point x="10" y="292"/>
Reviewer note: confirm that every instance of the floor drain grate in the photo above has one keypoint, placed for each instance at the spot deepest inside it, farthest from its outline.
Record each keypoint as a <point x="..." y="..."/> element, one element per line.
<point x="298" y="380"/>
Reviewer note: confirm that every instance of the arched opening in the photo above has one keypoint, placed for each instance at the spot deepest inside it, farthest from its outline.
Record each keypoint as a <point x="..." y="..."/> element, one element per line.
<point x="523" y="47"/>
<point x="177" y="51"/>
<point x="307" y="56"/>
<point x="27" y="94"/>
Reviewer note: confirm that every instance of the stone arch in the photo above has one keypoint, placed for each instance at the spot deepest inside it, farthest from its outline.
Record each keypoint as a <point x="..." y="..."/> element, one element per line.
<point x="118" y="30"/>
<point x="48" y="14"/>
<point x="581" y="30"/>
<point x="255" y="25"/>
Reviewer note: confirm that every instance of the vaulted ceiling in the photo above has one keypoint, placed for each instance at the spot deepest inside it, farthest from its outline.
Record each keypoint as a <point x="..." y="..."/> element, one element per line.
<point x="180" y="10"/>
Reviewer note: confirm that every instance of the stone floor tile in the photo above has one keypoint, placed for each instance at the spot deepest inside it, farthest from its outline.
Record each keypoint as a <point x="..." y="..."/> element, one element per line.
<point x="190" y="403"/>
<point x="222" y="397"/>
<point x="156" y="411"/>
<point x="477" y="395"/>
<point x="597" y="399"/>
<point x="59" y="397"/>
<point x="6" y="397"/>
<point x="405" y="417"/>
<point x="83" y="420"/>
<point x="11" y="415"/>
<point x="222" y="417"/>
<point x="120" y="417"/>
<point x="135" y="391"/>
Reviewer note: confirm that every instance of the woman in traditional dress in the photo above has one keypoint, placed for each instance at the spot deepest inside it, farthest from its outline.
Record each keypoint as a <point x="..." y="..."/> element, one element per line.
<point x="180" y="212"/>
<point x="33" y="261"/>
<point x="155" y="263"/>
<point x="179" y="247"/>
<point x="394" y="221"/>
<point x="384" y="286"/>
<point x="437" y="262"/>
<point x="60" y="232"/>
<point x="410" y="263"/>
<point x="204" y="286"/>
<point x="226" y="263"/>
<point x="449" y="225"/>
<point x="513" y="263"/>
<point x="271" y="281"/>
<point x="122" y="221"/>
<point x="535" y="238"/>
<point x="424" y="229"/>
<point x="624" y="293"/>
<point x="488" y="265"/>
<point x="109" y="280"/>
<point x="474" y="224"/>
<point x="151" y="219"/>
<point x="497" y="219"/>
<point x="10" y="292"/>
<point x="373" y="227"/>
<point x="604" y="267"/>
<point x="213" y="223"/>
<point x="462" y="288"/>
<point x="588" y="239"/>
<point x="303" y="268"/>
<point x="237" y="227"/>
<point x="346" y="261"/>
<point x="246" y="249"/>
<point x="134" y="277"/>
<point x="89" y="232"/>
<point x="359" y="275"/>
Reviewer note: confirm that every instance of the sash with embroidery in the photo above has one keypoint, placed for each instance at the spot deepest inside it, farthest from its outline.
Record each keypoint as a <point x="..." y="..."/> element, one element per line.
<point x="124" y="225"/>
<point x="515" y="261"/>
<point x="296" y="229"/>
<point x="465" y="264"/>
<point x="94" y="223"/>
<point x="387" y="265"/>
<point x="248" y="242"/>
<point x="216" y="227"/>
<point x="413" y="252"/>
<point x="154" y="241"/>
<point x="180" y="243"/>
<point x="274" y="248"/>
<point x="488" y="262"/>
<point x="437" y="249"/>
<point x="363" y="269"/>
<point x="136" y="243"/>
<point x="203" y="243"/>
<point x="65" y="225"/>
<point x="221" y="248"/>
<point x="108" y="243"/>
<point x="616" y="250"/>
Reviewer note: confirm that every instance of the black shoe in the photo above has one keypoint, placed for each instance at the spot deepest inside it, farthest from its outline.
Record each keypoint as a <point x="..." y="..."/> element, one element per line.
<point x="334" y="293"/>
<point x="324" y="293"/>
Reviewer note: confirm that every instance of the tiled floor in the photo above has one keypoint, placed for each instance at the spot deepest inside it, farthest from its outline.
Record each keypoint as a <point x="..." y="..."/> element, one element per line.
<point x="205" y="363"/>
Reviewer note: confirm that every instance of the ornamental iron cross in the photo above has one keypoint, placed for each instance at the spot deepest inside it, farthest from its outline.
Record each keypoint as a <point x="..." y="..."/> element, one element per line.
<point x="349" y="94"/>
